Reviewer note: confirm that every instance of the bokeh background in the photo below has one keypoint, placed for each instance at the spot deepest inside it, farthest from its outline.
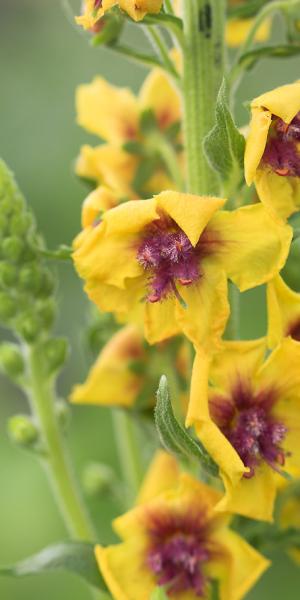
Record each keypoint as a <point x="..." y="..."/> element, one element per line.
<point x="43" y="57"/>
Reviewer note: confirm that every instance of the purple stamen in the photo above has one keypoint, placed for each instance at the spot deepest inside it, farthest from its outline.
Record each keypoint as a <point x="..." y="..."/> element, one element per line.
<point x="248" y="424"/>
<point x="169" y="258"/>
<point x="178" y="552"/>
<point x="281" y="153"/>
<point x="294" y="330"/>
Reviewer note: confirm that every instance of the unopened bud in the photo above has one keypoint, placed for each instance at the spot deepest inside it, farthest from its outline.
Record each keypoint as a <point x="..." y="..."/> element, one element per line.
<point x="108" y="29"/>
<point x="22" y="430"/>
<point x="63" y="413"/>
<point x="46" y="311"/>
<point x="28" y="326"/>
<point x="55" y="352"/>
<point x="20" y="223"/>
<point x="97" y="479"/>
<point x="11" y="360"/>
<point x="8" y="274"/>
<point x="3" y="224"/>
<point x="12" y="248"/>
<point x="30" y="278"/>
<point x="47" y="284"/>
<point x="8" y="307"/>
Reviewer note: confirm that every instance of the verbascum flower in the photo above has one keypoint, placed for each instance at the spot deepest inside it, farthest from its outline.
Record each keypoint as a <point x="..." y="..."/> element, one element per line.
<point x="116" y="115"/>
<point x="111" y="381"/>
<point x="272" y="157"/>
<point x="93" y="10"/>
<point x="283" y="312"/>
<point x="248" y="420"/>
<point x="165" y="261"/>
<point x="174" y="538"/>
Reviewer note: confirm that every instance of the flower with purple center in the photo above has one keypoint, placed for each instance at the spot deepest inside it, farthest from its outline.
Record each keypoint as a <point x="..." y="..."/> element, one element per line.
<point x="272" y="156"/>
<point x="173" y="537"/>
<point x="247" y="418"/>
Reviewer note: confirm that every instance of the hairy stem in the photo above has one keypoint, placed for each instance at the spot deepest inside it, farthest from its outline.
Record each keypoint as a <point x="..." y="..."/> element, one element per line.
<point x="57" y="461"/>
<point x="203" y="62"/>
<point x="129" y="452"/>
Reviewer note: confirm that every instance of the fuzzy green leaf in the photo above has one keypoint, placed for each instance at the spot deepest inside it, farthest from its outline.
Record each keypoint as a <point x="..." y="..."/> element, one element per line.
<point x="249" y="59"/>
<point x="224" y="145"/>
<point x="77" y="557"/>
<point x="173" y="436"/>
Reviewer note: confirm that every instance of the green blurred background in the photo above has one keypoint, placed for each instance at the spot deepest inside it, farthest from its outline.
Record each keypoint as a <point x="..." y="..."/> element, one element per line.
<point x="43" y="57"/>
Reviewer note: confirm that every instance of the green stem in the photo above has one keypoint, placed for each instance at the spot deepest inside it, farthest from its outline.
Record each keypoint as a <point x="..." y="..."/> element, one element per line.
<point x="57" y="462"/>
<point x="203" y="61"/>
<point x="168" y="7"/>
<point x="129" y="452"/>
<point x="161" y="49"/>
<point x="139" y="57"/>
<point x="160" y="145"/>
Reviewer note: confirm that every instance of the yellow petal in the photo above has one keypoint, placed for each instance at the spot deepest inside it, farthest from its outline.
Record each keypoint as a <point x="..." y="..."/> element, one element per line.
<point x="283" y="310"/>
<point x="284" y="101"/>
<point x="204" y="318"/>
<point x="256" y="141"/>
<point x="162" y="474"/>
<point x="160" y="320"/>
<point x="158" y="93"/>
<point x="191" y="213"/>
<point x="137" y="9"/>
<point x="209" y="434"/>
<point x="245" y="564"/>
<point x="110" y="381"/>
<point x="90" y="16"/>
<point x="122" y="302"/>
<point x="252" y="497"/>
<point x="238" y="29"/>
<point x="130" y="217"/>
<point x="101" y="199"/>
<point x="281" y="370"/>
<point x="279" y="194"/>
<point x="107" y="111"/>
<point x="255" y="244"/>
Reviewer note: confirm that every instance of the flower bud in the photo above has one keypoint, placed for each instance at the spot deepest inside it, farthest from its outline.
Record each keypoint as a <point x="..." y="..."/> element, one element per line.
<point x="8" y="274"/>
<point x="11" y="360"/>
<point x="97" y="479"/>
<point x="22" y="430"/>
<point x="47" y="284"/>
<point x="46" y="311"/>
<point x="12" y="248"/>
<point x="20" y="223"/>
<point x="28" y="326"/>
<point x="8" y="307"/>
<point x="3" y="224"/>
<point x="108" y="29"/>
<point x="30" y="278"/>
<point x="55" y="352"/>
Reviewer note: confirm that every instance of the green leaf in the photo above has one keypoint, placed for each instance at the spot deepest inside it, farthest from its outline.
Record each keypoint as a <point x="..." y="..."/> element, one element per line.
<point x="77" y="557"/>
<point x="249" y="59"/>
<point x="173" y="436"/>
<point x="224" y="145"/>
<point x="159" y="594"/>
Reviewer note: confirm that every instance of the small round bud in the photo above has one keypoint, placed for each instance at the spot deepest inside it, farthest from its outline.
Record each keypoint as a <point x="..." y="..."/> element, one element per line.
<point x="11" y="360"/>
<point x="97" y="478"/>
<point x="12" y="248"/>
<point x="3" y="224"/>
<point x="47" y="284"/>
<point x="28" y="327"/>
<point x="30" y="278"/>
<point x="63" y="413"/>
<point x="20" y="223"/>
<point x="55" y="352"/>
<point x="8" y="307"/>
<point x="47" y="311"/>
<point x="22" y="430"/>
<point x="6" y="206"/>
<point x="8" y="274"/>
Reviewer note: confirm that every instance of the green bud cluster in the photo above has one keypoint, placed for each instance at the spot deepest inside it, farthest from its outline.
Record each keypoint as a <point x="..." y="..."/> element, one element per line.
<point x="26" y="284"/>
<point x="23" y="431"/>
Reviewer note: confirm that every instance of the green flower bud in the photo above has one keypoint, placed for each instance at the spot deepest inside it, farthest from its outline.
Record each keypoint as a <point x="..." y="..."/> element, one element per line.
<point x="8" y="274"/>
<point x="8" y="307"/>
<point x="28" y="326"/>
<point x="22" y="430"/>
<point x="6" y="206"/>
<point x="97" y="479"/>
<point x="55" y="352"/>
<point x="20" y="223"/>
<point x="3" y="224"/>
<point x="12" y="248"/>
<point x="47" y="311"/>
<point x="30" y="278"/>
<point x="63" y="413"/>
<point x="47" y="284"/>
<point x="11" y="360"/>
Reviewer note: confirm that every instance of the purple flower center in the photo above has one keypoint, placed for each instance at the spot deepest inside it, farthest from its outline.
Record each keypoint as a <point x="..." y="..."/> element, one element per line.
<point x="294" y="330"/>
<point x="248" y="424"/>
<point x="169" y="258"/>
<point x="281" y="153"/>
<point x="178" y="552"/>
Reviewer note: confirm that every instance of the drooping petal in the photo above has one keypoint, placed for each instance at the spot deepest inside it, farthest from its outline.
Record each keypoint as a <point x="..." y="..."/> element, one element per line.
<point x="101" y="199"/>
<point x="283" y="310"/>
<point x="91" y="15"/>
<point x="160" y="320"/>
<point x="191" y="213"/>
<point x="255" y="244"/>
<point x="204" y="318"/>
<point x="281" y="195"/>
<point x="284" y="101"/>
<point x="107" y="111"/>
<point x="256" y="142"/>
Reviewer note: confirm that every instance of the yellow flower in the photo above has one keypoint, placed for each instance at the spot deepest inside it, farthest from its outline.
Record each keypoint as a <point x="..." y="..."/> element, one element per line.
<point x="238" y="29"/>
<point x="272" y="151"/>
<point x="115" y="115"/>
<point x="248" y="418"/>
<point x="111" y="381"/>
<point x="93" y="10"/>
<point x="164" y="262"/>
<point x="174" y="537"/>
<point x="283" y="312"/>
